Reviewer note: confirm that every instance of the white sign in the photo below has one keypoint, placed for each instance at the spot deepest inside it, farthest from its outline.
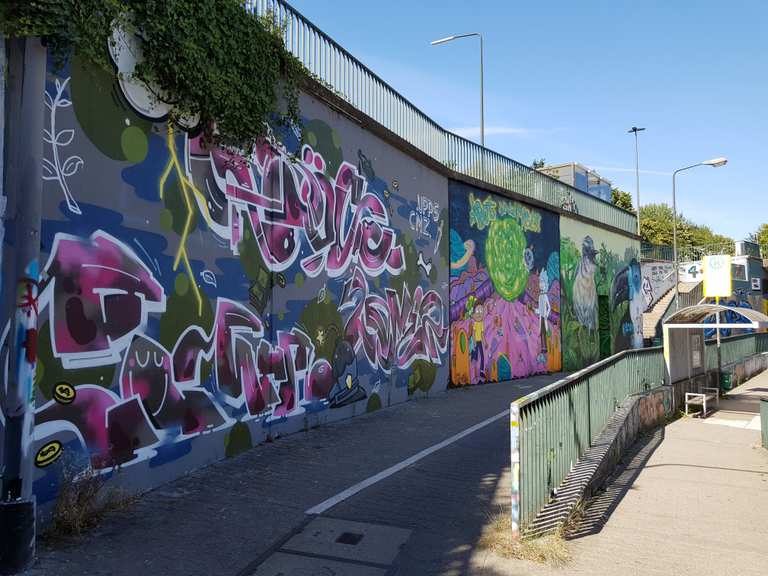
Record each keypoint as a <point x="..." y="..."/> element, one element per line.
<point x="690" y="272"/>
<point x="757" y="283"/>
<point x="717" y="276"/>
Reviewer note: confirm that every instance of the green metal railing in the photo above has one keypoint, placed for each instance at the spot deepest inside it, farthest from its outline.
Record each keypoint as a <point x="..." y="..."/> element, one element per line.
<point x="662" y="252"/>
<point x="344" y="74"/>
<point x="735" y="348"/>
<point x="558" y="423"/>
<point x="553" y="427"/>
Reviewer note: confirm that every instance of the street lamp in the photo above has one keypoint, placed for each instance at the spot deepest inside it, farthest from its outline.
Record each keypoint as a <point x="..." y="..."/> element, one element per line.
<point x="635" y="129"/>
<point x="715" y="163"/>
<point x="482" y="108"/>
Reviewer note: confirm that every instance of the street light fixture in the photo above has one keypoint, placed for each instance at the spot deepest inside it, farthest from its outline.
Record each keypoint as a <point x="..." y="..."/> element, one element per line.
<point x="635" y="130"/>
<point x="715" y="163"/>
<point x="482" y="107"/>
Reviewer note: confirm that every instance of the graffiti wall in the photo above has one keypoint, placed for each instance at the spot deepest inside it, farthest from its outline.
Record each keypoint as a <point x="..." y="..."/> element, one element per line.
<point x="658" y="279"/>
<point x="504" y="290"/>
<point x="195" y="301"/>
<point x="602" y="297"/>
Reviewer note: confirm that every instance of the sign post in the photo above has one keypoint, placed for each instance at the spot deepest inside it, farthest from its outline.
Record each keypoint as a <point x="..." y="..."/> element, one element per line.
<point x="718" y="283"/>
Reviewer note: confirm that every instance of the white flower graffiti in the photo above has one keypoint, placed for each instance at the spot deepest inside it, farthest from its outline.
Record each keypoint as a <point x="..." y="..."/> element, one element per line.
<point x="58" y="168"/>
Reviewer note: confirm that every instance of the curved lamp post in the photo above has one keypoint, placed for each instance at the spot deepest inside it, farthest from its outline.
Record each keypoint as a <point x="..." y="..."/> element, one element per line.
<point x="635" y="130"/>
<point x="715" y="163"/>
<point x="482" y="107"/>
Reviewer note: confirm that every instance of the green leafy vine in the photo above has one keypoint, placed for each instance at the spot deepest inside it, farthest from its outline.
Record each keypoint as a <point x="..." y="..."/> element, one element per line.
<point x="212" y="60"/>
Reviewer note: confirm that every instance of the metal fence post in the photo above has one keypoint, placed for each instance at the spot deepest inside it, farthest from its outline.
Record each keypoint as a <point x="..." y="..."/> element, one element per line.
<point x="514" y="442"/>
<point x="23" y="179"/>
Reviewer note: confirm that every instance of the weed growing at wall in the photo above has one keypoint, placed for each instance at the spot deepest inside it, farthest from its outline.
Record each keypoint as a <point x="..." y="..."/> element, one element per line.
<point x="208" y="62"/>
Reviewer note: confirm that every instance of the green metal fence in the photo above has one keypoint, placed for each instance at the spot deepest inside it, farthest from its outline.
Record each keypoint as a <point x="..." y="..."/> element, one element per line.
<point x="650" y="251"/>
<point x="557" y="424"/>
<point x="735" y="348"/>
<point x="553" y="427"/>
<point x="351" y="80"/>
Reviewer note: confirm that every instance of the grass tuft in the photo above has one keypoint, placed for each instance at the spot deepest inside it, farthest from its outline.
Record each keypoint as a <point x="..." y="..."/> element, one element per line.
<point x="550" y="549"/>
<point x="82" y="503"/>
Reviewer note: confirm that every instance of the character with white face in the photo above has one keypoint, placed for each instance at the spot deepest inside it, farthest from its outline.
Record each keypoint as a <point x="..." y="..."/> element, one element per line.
<point x="544" y="309"/>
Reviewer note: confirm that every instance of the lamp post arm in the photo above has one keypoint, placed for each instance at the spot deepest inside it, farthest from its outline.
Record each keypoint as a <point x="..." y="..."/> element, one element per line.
<point x="674" y="234"/>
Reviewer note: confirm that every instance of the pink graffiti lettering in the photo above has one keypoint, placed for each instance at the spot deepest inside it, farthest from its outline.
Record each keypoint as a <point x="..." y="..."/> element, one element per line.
<point x="394" y="329"/>
<point x="99" y="296"/>
<point x="276" y="197"/>
<point x="147" y="373"/>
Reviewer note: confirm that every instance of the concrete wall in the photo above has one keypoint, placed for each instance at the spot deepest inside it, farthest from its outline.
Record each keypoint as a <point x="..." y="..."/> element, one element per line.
<point x="195" y="303"/>
<point x="505" y="288"/>
<point x="598" y="266"/>
<point x="658" y="279"/>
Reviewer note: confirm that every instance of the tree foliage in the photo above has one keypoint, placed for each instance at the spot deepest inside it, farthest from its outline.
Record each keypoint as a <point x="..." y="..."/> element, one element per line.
<point x="656" y="228"/>
<point x="622" y="199"/>
<point x="538" y="163"/>
<point x="760" y="236"/>
<point x="210" y="59"/>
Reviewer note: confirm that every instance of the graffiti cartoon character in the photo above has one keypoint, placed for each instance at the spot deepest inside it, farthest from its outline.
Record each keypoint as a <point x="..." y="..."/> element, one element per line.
<point x="584" y="286"/>
<point x="478" y="332"/>
<point x="543" y="311"/>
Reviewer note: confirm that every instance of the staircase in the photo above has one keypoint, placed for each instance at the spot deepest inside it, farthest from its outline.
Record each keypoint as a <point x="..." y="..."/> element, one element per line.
<point x="653" y="317"/>
<point x="691" y="293"/>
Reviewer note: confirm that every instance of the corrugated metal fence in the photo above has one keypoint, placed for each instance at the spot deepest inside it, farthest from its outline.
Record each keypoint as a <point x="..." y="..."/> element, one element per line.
<point x="553" y="427"/>
<point x="345" y="75"/>
<point x="735" y="348"/>
<point x="557" y="424"/>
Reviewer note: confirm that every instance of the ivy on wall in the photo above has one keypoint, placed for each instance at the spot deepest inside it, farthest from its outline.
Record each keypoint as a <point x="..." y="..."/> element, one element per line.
<point x="211" y="60"/>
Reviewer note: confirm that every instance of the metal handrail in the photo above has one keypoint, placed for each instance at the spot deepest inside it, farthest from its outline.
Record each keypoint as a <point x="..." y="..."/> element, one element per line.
<point x="581" y="374"/>
<point x="553" y="427"/>
<point x="351" y="80"/>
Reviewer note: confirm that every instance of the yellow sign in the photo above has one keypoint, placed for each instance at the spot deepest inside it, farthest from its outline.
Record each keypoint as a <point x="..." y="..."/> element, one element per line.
<point x="717" y="276"/>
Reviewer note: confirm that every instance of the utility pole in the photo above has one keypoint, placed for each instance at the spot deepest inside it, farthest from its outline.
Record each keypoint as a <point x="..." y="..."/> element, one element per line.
<point x="22" y="158"/>
<point x="635" y="129"/>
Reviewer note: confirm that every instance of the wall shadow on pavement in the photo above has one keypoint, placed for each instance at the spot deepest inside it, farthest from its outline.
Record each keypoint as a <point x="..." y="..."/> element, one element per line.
<point x="464" y="498"/>
<point x="599" y="508"/>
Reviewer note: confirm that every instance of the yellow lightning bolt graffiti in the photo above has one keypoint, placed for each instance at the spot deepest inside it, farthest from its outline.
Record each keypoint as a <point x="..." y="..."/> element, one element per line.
<point x="187" y="190"/>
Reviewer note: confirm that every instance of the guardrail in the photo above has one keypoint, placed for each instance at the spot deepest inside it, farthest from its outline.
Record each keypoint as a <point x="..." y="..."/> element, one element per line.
<point x="735" y="348"/>
<point x="662" y="252"/>
<point x="553" y="427"/>
<point x="344" y="74"/>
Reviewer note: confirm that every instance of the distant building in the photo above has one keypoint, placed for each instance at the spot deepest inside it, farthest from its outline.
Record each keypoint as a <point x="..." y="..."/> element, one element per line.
<point x="581" y="178"/>
<point x="749" y="277"/>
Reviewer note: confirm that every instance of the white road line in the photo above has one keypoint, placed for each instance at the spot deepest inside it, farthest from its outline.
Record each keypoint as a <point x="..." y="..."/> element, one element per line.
<point x="352" y="490"/>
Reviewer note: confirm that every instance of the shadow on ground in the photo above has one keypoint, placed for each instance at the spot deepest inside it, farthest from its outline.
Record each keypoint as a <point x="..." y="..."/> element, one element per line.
<point x="599" y="508"/>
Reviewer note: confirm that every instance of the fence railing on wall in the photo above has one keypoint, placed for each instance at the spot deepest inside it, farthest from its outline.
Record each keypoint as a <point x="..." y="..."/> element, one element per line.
<point x="558" y="423"/>
<point x="345" y="75"/>
<point x="735" y="348"/>
<point x="662" y="252"/>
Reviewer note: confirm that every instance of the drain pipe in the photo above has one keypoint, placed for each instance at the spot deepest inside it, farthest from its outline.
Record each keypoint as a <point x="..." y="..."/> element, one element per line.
<point x="22" y="158"/>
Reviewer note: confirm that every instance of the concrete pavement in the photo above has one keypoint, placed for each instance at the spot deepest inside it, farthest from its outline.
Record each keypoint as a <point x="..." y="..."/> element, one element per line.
<point x="233" y="517"/>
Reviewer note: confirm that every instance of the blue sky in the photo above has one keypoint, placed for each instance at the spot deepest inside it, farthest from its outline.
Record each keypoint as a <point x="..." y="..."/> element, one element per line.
<point x="565" y="80"/>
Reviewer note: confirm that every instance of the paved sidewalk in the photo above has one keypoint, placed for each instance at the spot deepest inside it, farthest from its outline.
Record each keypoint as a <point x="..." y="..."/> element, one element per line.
<point x="226" y="518"/>
<point x="693" y="500"/>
